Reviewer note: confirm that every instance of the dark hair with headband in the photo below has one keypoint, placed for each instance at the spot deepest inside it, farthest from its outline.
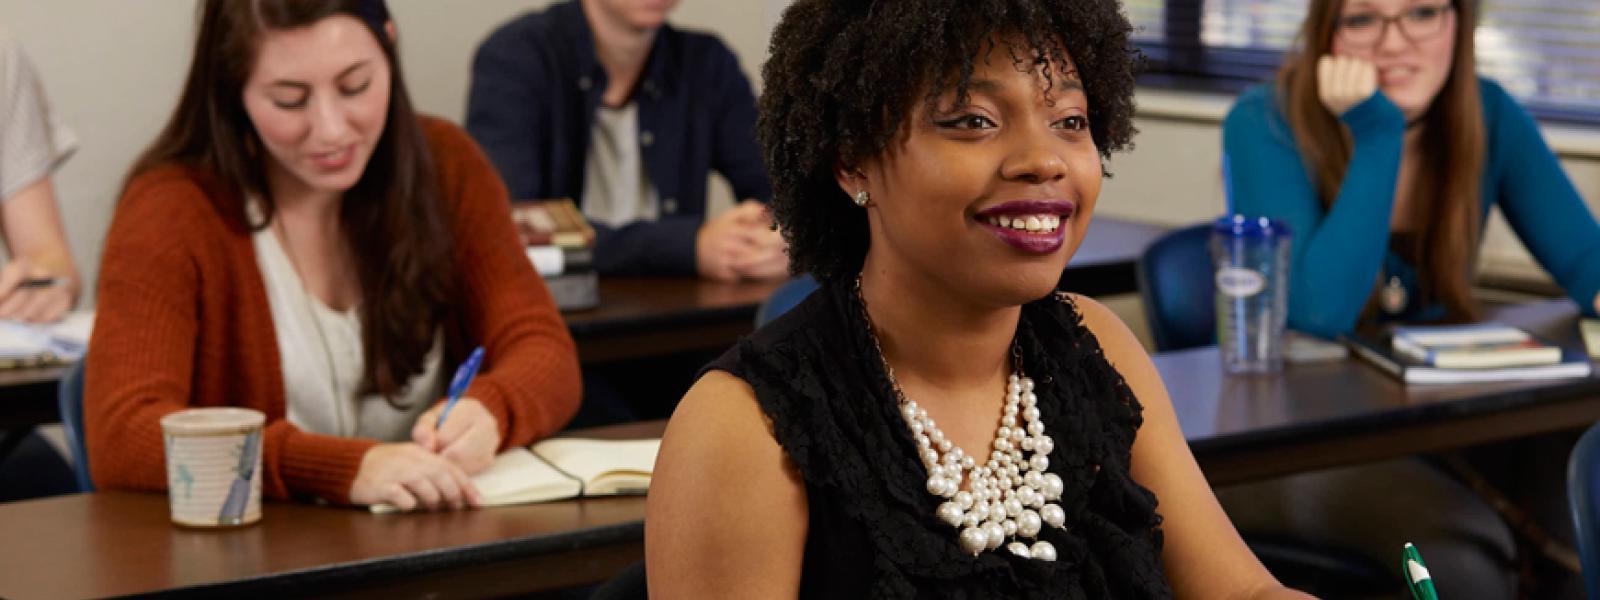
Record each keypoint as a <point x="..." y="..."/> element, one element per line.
<point x="393" y="215"/>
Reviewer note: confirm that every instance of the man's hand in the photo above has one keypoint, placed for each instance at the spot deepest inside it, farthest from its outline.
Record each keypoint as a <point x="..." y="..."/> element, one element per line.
<point x="741" y="243"/>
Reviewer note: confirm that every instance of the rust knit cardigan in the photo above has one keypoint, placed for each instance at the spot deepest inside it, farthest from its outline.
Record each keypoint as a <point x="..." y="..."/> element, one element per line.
<point x="183" y="320"/>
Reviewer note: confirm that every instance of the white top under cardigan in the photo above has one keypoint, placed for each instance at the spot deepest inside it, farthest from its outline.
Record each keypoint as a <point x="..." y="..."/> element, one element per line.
<point x="320" y="351"/>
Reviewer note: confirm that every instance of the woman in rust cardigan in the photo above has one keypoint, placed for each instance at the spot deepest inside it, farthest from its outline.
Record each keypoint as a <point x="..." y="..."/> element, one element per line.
<point x="300" y="242"/>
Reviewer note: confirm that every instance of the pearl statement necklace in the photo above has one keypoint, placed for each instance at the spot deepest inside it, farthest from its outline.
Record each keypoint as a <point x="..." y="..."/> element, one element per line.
<point x="1011" y="495"/>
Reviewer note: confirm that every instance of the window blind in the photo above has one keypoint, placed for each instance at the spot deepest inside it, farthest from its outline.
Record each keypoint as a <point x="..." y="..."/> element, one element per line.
<point x="1545" y="52"/>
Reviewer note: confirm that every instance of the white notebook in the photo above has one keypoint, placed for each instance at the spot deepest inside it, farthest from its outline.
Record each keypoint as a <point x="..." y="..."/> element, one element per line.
<point x="561" y="468"/>
<point x="29" y="344"/>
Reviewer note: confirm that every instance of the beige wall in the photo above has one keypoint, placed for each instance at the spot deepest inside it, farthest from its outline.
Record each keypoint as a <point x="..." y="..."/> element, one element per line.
<point x="112" y="69"/>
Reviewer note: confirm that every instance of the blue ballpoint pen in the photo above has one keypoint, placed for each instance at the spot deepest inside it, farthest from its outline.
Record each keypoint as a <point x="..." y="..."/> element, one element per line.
<point x="459" y="383"/>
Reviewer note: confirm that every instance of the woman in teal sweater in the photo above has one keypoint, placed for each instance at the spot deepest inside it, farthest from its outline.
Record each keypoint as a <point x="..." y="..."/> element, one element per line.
<point x="1383" y="151"/>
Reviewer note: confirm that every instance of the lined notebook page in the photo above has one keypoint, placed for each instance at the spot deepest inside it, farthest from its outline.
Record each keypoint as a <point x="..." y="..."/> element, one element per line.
<point x="606" y="466"/>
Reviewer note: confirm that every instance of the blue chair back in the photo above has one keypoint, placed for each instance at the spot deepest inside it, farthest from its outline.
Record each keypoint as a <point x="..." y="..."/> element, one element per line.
<point x="1175" y="281"/>
<point x="787" y="297"/>
<point x="1583" y="492"/>
<point x="70" y="397"/>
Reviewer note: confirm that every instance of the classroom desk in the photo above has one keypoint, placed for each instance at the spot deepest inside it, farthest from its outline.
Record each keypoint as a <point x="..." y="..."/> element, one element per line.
<point x="118" y="543"/>
<point x="1320" y="415"/>
<point x="1240" y="428"/>
<point x="640" y="317"/>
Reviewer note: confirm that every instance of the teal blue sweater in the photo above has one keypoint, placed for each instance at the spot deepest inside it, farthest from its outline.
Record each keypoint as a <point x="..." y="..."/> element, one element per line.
<point x="1337" y="254"/>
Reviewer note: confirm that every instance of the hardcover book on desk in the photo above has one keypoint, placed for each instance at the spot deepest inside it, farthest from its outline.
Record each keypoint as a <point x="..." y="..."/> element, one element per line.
<point x="1468" y="353"/>
<point x="560" y="243"/>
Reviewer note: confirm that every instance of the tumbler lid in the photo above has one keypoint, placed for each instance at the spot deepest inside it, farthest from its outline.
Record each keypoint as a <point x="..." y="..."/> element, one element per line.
<point x="1243" y="226"/>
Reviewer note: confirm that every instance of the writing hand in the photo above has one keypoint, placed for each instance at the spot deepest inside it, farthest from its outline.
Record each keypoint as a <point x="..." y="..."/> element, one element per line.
<point x="469" y="437"/>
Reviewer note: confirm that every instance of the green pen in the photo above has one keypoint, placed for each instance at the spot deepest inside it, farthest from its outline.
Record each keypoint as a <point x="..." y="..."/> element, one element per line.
<point x="1416" y="574"/>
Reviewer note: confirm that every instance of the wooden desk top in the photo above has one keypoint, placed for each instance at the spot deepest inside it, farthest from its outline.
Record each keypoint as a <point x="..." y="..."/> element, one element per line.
<point x="1317" y="415"/>
<point x="116" y="543"/>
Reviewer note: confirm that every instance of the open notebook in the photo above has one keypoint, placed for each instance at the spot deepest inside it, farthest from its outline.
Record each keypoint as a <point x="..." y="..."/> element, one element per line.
<point x="561" y="468"/>
<point x="27" y="344"/>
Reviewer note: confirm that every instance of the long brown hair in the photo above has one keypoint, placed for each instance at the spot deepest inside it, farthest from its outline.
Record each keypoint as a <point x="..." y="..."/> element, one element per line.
<point x="1445" y="192"/>
<point x="392" y="217"/>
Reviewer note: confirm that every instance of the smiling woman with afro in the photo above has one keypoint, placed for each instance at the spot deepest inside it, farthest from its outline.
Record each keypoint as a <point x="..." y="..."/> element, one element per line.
<point x="934" y="421"/>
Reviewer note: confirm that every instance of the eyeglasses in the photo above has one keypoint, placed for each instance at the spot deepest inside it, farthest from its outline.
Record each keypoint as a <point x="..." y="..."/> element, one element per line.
<point x="1419" y="23"/>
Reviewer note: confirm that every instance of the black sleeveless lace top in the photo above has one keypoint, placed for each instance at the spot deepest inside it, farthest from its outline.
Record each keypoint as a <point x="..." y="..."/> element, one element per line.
<point x="873" y="531"/>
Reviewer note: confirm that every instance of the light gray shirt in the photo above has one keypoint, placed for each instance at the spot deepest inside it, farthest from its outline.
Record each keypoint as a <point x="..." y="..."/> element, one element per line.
<point x="32" y="142"/>
<point x="616" y="187"/>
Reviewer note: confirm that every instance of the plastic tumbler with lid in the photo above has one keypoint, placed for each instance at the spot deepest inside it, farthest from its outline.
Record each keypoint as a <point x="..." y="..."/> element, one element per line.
<point x="1251" y="259"/>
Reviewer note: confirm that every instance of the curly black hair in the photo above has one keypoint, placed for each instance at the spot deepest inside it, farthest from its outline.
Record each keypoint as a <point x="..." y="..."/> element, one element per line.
<point x="844" y="75"/>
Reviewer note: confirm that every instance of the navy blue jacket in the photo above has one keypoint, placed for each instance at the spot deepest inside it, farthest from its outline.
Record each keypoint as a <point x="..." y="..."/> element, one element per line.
<point x="535" y="87"/>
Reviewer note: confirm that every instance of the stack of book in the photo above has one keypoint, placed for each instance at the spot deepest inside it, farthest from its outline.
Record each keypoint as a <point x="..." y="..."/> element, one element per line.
<point x="560" y="243"/>
<point x="1469" y="353"/>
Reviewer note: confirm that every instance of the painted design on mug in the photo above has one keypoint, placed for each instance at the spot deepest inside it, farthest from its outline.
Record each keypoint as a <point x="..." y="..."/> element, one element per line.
<point x="186" y="480"/>
<point x="239" y="492"/>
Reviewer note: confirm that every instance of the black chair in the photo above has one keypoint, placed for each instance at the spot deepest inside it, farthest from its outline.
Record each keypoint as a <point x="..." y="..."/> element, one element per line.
<point x="70" y="400"/>
<point x="1583" y="492"/>
<point x="788" y="296"/>
<point x="1177" y="289"/>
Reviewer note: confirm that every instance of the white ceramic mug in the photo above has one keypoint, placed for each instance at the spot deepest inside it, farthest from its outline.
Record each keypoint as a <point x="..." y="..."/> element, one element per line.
<point x="214" y="465"/>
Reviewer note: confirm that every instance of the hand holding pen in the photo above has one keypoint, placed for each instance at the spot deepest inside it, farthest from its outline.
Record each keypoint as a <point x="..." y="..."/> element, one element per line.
<point x="461" y="429"/>
<point x="28" y="293"/>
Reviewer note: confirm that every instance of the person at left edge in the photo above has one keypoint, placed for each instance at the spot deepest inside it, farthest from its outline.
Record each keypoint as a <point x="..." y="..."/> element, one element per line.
<point x="604" y="102"/>
<point x="299" y="241"/>
<point x="33" y="144"/>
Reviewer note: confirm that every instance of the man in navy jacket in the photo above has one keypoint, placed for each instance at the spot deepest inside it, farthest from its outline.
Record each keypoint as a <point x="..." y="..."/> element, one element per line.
<point x="538" y="83"/>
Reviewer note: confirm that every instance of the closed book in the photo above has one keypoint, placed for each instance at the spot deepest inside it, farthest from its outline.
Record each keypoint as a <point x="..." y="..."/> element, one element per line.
<point x="1479" y="346"/>
<point x="556" y="222"/>
<point x="551" y="260"/>
<point x="563" y="468"/>
<point x="560" y="243"/>
<point x="1379" y="352"/>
